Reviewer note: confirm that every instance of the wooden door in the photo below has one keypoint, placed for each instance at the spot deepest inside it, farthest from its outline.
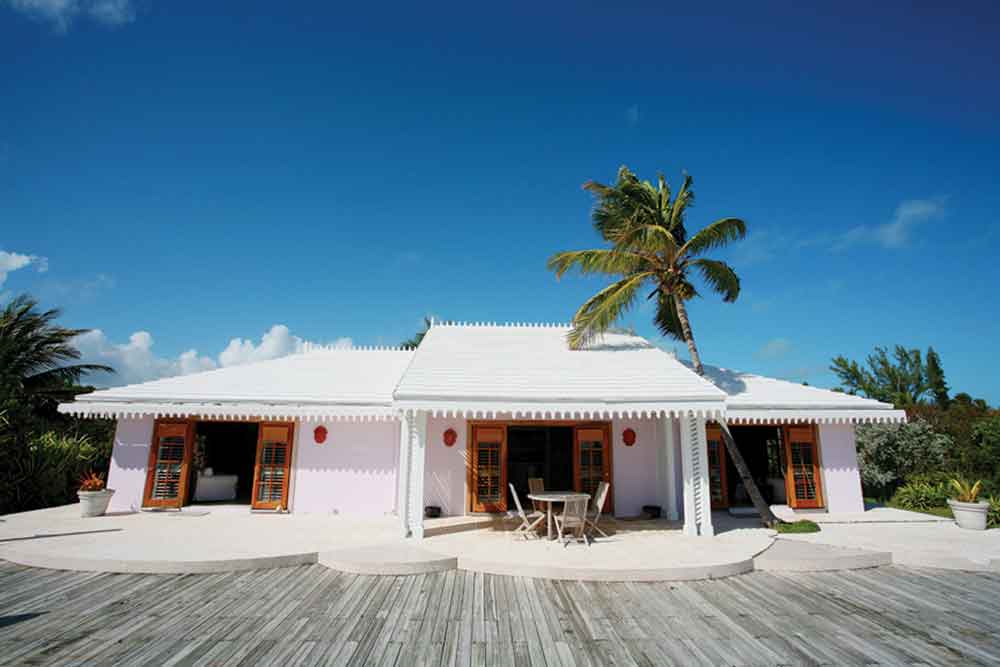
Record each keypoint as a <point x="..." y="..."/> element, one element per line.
<point x="718" y="483"/>
<point x="169" y="465"/>
<point x="592" y="461"/>
<point x="489" y="469"/>
<point x="802" y="478"/>
<point x="273" y="467"/>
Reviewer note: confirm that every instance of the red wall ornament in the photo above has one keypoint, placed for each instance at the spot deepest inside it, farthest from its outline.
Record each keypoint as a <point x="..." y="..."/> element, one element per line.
<point x="319" y="434"/>
<point x="449" y="437"/>
<point x="628" y="437"/>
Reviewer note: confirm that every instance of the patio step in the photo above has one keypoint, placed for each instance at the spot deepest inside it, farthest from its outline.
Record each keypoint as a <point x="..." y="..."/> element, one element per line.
<point x="796" y="556"/>
<point x="392" y="559"/>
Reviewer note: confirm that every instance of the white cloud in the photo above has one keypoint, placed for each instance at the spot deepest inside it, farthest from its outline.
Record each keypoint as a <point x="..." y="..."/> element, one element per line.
<point x="135" y="361"/>
<point x="898" y="231"/>
<point x="62" y="13"/>
<point x="774" y="348"/>
<point x="12" y="261"/>
<point x="277" y="342"/>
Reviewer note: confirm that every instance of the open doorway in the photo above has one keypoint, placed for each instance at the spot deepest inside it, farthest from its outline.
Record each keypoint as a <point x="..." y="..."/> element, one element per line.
<point x="223" y="465"/>
<point x="539" y="451"/>
<point x="761" y="447"/>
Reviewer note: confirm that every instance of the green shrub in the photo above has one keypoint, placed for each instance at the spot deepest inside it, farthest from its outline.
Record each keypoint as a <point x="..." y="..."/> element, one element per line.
<point x="45" y="470"/>
<point x="920" y="496"/>
<point x="800" y="526"/>
<point x="993" y="513"/>
<point x="891" y="453"/>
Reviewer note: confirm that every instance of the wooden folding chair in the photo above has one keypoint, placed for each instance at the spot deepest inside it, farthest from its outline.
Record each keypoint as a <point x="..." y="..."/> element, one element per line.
<point x="572" y="522"/>
<point x="529" y="522"/>
<point x="600" y="495"/>
<point x="537" y="485"/>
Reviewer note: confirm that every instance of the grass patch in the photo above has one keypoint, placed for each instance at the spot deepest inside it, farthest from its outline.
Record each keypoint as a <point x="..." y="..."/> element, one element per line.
<point x="801" y="526"/>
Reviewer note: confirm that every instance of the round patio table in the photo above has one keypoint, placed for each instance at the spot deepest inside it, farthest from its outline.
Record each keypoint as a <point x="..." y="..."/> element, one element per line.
<point x="550" y="497"/>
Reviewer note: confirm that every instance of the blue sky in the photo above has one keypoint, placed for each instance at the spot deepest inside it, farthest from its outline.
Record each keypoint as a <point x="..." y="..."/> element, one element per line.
<point x="179" y="179"/>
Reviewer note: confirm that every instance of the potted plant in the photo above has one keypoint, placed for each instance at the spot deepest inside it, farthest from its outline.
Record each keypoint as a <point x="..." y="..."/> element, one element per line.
<point x="969" y="511"/>
<point x="94" y="496"/>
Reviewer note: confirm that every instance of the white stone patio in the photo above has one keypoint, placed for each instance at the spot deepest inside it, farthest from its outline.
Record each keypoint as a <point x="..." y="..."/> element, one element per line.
<point x="228" y="538"/>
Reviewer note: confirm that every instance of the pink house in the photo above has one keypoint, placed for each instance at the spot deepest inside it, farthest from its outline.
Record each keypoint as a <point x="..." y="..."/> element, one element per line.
<point x="475" y="408"/>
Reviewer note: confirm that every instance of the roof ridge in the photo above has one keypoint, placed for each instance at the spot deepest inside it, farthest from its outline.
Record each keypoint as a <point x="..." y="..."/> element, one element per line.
<point x="333" y="347"/>
<point x="500" y="325"/>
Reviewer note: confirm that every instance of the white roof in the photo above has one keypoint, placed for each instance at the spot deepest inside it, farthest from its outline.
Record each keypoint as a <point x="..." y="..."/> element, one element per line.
<point x="319" y="382"/>
<point x="485" y="371"/>
<point x="529" y="370"/>
<point x="755" y="398"/>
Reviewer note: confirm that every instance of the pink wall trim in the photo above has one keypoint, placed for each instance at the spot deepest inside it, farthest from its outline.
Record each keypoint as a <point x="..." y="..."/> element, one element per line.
<point x="445" y="472"/>
<point x="352" y="473"/>
<point x="129" y="458"/>
<point x="841" y="477"/>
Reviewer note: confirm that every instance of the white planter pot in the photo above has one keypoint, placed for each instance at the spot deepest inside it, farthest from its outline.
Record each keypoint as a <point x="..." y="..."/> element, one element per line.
<point x="94" y="503"/>
<point x="969" y="515"/>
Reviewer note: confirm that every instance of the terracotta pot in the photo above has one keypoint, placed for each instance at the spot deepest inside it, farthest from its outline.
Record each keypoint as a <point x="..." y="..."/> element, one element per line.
<point x="94" y="503"/>
<point x="969" y="515"/>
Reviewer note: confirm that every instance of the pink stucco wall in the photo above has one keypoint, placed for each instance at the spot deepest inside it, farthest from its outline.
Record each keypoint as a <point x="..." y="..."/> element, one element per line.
<point x="841" y="477"/>
<point x="634" y="482"/>
<point x="445" y="475"/>
<point x="129" y="458"/>
<point x="352" y="473"/>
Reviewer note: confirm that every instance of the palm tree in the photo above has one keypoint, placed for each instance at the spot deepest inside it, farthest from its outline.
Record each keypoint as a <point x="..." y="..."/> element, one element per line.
<point x="34" y="352"/>
<point x="650" y="250"/>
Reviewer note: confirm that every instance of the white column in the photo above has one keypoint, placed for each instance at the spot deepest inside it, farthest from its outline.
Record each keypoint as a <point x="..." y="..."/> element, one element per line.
<point x="705" y="528"/>
<point x="666" y="473"/>
<point x="688" y="469"/>
<point x="403" y="476"/>
<point x="418" y="455"/>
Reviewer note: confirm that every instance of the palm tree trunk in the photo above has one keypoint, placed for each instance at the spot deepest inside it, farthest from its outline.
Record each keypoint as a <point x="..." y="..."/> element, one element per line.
<point x="766" y="515"/>
<point x="682" y="317"/>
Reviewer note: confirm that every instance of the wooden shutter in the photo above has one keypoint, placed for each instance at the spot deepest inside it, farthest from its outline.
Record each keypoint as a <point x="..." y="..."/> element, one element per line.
<point x="489" y="469"/>
<point x="717" y="463"/>
<point x="273" y="467"/>
<point x="592" y="461"/>
<point x="803" y="478"/>
<point x="169" y="464"/>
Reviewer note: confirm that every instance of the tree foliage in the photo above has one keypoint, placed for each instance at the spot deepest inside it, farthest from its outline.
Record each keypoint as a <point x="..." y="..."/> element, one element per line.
<point x="900" y="379"/>
<point x="935" y="379"/>
<point x="43" y="453"/>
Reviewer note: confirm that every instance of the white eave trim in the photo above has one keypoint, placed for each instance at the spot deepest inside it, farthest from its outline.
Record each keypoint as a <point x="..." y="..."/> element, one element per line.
<point x="239" y="411"/>
<point x="556" y="410"/>
<point x="735" y="415"/>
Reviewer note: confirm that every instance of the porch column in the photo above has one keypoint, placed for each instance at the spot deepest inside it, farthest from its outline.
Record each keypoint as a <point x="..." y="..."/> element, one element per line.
<point x="705" y="528"/>
<point x="403" y="476"/>
<point x="697" y="496"/>
<point x="688" y="463"/>
<point x="666" y="461"/>
<point x="418" y="451"/>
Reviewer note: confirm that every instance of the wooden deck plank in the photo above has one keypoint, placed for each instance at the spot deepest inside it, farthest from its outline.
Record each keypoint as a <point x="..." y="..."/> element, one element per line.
<point x="310" y="615"/>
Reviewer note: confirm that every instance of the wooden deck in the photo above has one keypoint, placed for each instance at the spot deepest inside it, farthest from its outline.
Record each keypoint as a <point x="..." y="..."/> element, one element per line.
<point x="313" y="615"/>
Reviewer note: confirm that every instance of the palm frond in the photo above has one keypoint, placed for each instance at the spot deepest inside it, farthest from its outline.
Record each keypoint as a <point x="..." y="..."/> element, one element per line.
<point x="603" y="309"/>
<point x="683" y="201"/>
<point x="647" y="239"/>
<point x="720" y="277"/>
<point x="666" y="316"/>
<point x="718" y="234"/>
<point x="600" y="261"/>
